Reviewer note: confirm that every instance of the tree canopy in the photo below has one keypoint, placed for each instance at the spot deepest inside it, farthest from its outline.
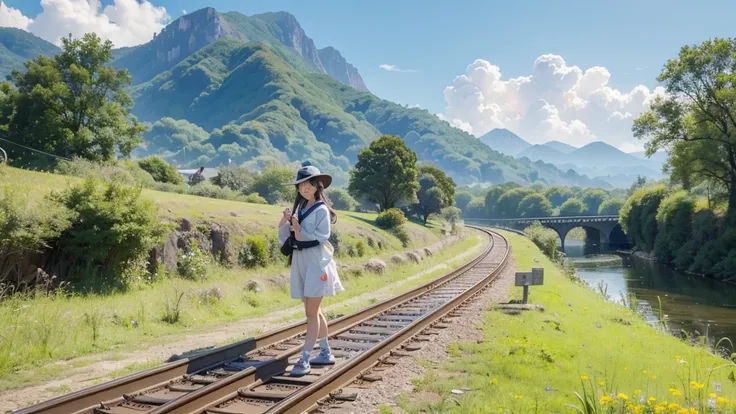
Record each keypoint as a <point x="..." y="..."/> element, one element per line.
<point x="385" y="174"/>
<point x="696" y="120"/>
<point x="71" y="105"/>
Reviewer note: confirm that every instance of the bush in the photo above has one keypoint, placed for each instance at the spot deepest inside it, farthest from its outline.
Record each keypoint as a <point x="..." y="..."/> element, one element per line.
<point x="390" y="218"/>
<point x="26" y="227"/>
<point x="403" y="235"/>
<point x="207" y="189"/>
<point x="254" y="198"/>
<point x="160" y="170"/>
<point x="235" y="178"/>
<point x="360" y="249"/>
<point x="123" y="173"/>
<point x="255" y="252"/>
<point x="341" y="200"/>
<point x="113" y="228"/>
<point x="193" y="264"/>
<point x="674" y="225"/>
<point x="638" y="216"/>
<point x="544" y="238"/>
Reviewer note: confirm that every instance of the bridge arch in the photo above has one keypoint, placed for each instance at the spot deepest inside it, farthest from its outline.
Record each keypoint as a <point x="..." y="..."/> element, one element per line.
<point x="604" y="230"/>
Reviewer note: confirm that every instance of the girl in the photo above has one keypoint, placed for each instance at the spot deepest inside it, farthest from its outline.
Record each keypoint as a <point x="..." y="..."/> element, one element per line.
<point x="313" y="270"/>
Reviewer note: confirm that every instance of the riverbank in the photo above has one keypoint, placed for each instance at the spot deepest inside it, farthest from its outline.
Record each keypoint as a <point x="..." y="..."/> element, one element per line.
<point x="536" y="361"/>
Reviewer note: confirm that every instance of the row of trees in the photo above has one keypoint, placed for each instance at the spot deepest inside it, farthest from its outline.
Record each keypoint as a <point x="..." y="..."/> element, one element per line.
<point x="511" y="200"/>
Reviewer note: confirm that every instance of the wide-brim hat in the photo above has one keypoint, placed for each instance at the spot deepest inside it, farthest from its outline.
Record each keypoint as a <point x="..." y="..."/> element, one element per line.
<point x="309" y="171"/>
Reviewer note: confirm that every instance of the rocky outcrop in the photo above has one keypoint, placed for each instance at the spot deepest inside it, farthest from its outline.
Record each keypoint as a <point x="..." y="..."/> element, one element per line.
<point x="339" y="68"/>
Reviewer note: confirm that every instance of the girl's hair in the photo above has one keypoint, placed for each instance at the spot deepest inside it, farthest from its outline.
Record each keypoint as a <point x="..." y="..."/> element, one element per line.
<point x="319" y="195"/>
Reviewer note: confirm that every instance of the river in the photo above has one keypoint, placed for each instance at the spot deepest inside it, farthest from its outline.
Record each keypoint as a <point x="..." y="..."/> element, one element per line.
<point x="689" y="302"/>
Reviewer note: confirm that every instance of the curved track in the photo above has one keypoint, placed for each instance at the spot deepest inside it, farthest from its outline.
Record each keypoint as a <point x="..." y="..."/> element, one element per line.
<point x="252" y="376"/>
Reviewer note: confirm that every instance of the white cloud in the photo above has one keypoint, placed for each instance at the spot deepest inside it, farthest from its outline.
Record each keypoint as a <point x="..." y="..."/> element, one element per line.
<point x="125" y="22"/>
<point x="394" y="68"/>
<point x="555" y="102"/>
<point x="10" y="17"/>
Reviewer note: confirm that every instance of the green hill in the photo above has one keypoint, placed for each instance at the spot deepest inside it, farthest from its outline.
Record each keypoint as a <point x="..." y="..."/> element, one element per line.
<point x="220" y="88"/>
<point x="18" y="46"/>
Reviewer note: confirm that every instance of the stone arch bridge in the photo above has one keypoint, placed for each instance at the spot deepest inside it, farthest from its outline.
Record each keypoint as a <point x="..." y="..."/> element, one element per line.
<point x="605" y="231"/>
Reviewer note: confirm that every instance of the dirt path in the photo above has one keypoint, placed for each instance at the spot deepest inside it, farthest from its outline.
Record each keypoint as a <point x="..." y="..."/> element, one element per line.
<point x="78" y="378"/>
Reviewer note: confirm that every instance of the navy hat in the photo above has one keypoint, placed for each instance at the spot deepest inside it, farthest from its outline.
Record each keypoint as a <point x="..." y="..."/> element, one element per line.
<point x="309" y="171"/>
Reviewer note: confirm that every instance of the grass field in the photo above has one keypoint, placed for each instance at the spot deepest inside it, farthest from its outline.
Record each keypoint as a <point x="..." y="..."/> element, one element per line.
<point x="39" y="328"/>
<point x="536" y="361"/>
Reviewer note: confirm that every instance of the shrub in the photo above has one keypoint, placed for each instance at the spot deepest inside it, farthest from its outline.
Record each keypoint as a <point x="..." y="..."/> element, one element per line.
<point x="335" y="241"/>
<point x="255" y="252"/>
<point x="193" y="264"/>
<point x="26" y="227"/>
<point x="341" y="200"/>
<point x="390" y="218"/>
<point x="160" y="170"/>
<point x="123" y="173"/>
<point x="544" y="238"/>
<point x="207" y="189"/>
<point x="360" y="249"/>
<point x="403" y="235"/>
<point x="254" y="198"/>
<point x="112" y="228"/>
<point x="235" y="178"/>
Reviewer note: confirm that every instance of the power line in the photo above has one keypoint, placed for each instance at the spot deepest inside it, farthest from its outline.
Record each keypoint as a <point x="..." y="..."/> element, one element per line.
<point x="35" y="150"/>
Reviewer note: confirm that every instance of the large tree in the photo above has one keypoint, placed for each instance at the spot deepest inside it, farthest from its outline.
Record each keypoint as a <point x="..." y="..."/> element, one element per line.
<point x="430" y="197"/>
<point x="445" y="183"/>
<point x="385" y="174"/>
<point x="696" y="120"/>
<point x="72" y="105"/>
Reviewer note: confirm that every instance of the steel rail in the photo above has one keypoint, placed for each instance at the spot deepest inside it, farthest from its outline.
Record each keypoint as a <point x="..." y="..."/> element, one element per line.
<point x="307" y="397"/>
<point x="112" y="393"/>
<point x="245" y="386"/>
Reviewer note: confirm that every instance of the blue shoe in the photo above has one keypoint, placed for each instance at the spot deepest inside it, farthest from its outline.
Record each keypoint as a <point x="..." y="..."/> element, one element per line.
<point x="325" y="357"/>
<point x="301" y="368"/>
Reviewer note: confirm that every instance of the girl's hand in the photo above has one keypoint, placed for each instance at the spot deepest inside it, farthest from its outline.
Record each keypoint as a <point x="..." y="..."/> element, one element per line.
<point x="287" y="213"/>
<point x="297" y="229"/>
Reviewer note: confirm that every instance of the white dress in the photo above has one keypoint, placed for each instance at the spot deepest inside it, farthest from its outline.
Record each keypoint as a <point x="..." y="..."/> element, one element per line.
<point x="313" y="269"/>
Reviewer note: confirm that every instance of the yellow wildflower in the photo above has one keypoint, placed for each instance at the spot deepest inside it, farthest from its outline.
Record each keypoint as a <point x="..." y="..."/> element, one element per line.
<point x="678" y="357"/>
<point x="696" y="386"/>
<point x="654" y="377"/>
<point x="500" y="410"/>
<point x="601" y="383"/>
<point x="584" y="377"/>
<point x="518" y="397"/>
<point x="652" y="400"/>
<point x="673" y="406"/>
<point x="659" y="409"/>
<point x="494" y="382"/>
<point x="712" y="395"/>
<point x="675" y="392"/>
<point x="683" y="411"/>
<point x="721" y="401"/>
<point x="644" y="372"/>
<point x="623" y="397"/>
<point x="637" y="392"/>
<point x="606" y="399"/>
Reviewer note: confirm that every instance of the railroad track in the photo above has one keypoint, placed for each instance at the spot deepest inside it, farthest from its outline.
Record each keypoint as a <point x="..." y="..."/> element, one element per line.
<point x="252" y="376"/>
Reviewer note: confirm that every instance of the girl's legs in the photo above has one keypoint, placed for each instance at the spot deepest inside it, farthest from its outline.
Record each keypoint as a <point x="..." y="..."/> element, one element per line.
<point x="311" y="308"/>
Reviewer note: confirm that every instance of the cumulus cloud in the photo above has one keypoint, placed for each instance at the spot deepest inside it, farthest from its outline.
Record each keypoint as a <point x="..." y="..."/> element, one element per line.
<point x="10" y="17"/>
<point x="394" y="68"/>
<point x="124" y="22"/>
<point x="555" y="101"/>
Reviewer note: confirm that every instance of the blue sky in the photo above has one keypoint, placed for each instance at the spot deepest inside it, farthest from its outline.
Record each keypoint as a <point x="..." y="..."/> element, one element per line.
<point x="439" y="39"/>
